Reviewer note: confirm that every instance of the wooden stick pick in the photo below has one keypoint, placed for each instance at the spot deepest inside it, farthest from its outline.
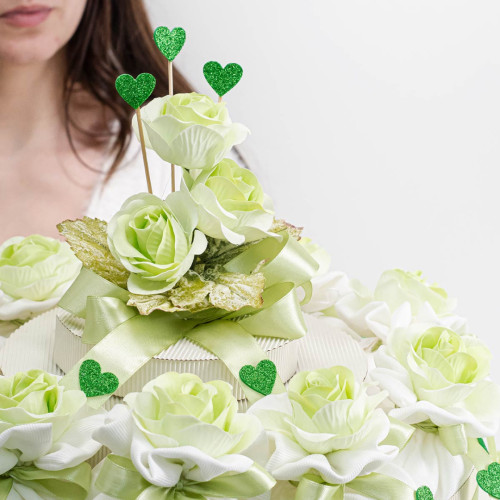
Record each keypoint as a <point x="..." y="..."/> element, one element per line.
<point x="143" y="147"/>
<point x="171" y="92"/>
<point x="170" y="44"/>
<point x="135" y="91"/>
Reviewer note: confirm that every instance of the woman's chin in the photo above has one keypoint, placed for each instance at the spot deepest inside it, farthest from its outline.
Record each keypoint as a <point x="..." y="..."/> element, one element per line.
<point x="28" y="50"/>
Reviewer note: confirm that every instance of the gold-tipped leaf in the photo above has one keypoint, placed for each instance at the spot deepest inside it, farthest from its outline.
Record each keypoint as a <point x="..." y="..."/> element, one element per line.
<point x="88" y="240"/>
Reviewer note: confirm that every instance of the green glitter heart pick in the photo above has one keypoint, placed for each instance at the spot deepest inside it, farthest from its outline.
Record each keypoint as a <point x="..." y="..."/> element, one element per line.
<point x="169" y="42"/>
<point x="222" y="80"/>
<point x="261" y="378"/>
<point x="135" y="91"/>
<point x="95" y="383"/>
<point x="489" y="480"/>
<point x="424" y="493"/>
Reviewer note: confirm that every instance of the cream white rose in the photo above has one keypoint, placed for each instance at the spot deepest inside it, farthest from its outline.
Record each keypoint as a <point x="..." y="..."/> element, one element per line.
<point x="400" y="299"/>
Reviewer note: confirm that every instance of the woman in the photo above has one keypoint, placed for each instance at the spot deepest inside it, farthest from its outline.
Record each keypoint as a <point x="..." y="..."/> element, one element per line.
<point x="64" y="131"/>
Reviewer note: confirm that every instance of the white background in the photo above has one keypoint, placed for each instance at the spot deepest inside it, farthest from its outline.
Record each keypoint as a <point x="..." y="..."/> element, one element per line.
<point x="375" y="124"/>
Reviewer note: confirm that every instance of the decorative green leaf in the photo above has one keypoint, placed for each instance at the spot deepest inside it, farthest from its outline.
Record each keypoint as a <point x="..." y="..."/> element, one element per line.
<point x="199" y="292"/>
<point x="146" y="304"/>
<point x="280" y="225"/>
<point x="89" y="241"/>
<point x="192" y="293"/>
<point x="220" y="252"/>
<point x="234" y="291"/>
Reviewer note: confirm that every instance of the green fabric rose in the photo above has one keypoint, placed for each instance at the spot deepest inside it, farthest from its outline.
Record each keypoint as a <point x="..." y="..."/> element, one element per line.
<point x="230" y="202"/>
<point x="155" y="240"/>
<point x="185" y="439"/>
<point x="180" y="410"/>
<point x="313" y="390"/>
<point x="327" y="425"/>
<point x="35" y="272"/>
<point x="190" y="130"/>
<point x="459" y="359"/>
<point x="438" y="375"/>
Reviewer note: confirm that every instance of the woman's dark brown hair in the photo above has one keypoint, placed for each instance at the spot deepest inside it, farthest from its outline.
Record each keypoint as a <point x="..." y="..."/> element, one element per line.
<point x="114" y="37"/>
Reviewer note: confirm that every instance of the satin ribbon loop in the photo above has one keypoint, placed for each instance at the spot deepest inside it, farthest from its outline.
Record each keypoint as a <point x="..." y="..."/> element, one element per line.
<point x="286" y="260"/>
<point x="119" y="478"/>
<point x="88" y="284"/>
<point x="71" y="483"/>
<point x="375" y="485"/>
<point x="279" y="317"/>
<point x="104" y="314"/>
<point x="5" y="487"/>
<point x="400" y="433"/>
<point x="381" y="487"/>
<point x="309" y="489"/>
<point x="454" y="438"/>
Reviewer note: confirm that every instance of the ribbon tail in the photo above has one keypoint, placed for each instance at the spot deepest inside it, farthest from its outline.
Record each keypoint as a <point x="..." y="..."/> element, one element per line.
<point x="5" y="487"/>
<point x="71" y="483"/>
<point x="479" y="457"/>
<point x="88" y="284"/>
<point x="119" y="478"/>
<point x="308" y="490"/>
<point x="399" y="435"/>
<point x="235" y="347"/>
<point x="454" y="438"/>
<point x="381" y="487"/>
<point x="129" y="347"/>
<point x="254" y="482"/>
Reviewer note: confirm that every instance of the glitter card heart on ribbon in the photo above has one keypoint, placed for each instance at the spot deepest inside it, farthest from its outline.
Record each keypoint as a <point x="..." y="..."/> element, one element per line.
<point x="489" y="480"/>
<point x="95" y="383"/>
<point x="260" y="378"/>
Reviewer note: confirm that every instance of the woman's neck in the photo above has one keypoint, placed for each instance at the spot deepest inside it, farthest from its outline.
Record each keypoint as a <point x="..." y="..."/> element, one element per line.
<point x="31" y="114"/>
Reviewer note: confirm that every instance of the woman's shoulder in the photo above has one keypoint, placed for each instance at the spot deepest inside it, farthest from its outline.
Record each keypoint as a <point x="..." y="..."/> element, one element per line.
<point x="129" y="179"/>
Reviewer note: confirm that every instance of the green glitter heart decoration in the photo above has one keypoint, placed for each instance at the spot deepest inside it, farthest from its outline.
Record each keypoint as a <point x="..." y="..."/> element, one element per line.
<point x="260" y="378"/>
<point x="95" y="383"/>
<point x="424" y="493"/>
<point x="169" y="42"/>
<point x="222" y="80"/>
<point x="135" y="91"/>
<point x="489" y="480"/>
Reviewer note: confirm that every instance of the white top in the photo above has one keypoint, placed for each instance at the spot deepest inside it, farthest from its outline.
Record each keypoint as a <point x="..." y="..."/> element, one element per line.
<point x="130" y="179"/>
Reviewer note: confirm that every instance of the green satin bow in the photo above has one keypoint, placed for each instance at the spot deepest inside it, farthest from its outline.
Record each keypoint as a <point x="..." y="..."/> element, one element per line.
<point x="125" y="341"/>
<point x="71" y="483"/>
<point x="119" y="478"/>
<point x="376" y="486"/>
